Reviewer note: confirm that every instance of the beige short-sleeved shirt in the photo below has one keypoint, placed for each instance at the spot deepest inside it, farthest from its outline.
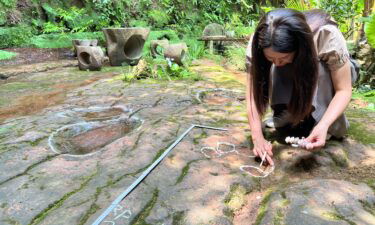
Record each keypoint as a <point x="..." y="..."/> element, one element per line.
<point x="332" y="54"/>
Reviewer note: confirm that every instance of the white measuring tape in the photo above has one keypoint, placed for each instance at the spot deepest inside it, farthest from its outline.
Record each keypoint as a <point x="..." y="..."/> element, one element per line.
<point x="219" y="152"/>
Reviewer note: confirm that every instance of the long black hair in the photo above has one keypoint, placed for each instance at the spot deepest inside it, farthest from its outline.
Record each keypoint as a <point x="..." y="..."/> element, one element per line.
<point x="285" y="31"/>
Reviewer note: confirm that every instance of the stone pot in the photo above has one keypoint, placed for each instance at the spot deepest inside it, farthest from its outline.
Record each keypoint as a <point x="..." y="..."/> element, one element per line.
<point x="90" y="57"/>
<point x="83" y="42"/>
<point x="176" y="52"/>
<point x="154" y="47"/>
<point x="125" y="45"/>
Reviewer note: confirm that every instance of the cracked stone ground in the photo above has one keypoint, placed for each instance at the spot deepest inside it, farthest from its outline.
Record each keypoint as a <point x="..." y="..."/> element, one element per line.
<point x="72" y="141"/>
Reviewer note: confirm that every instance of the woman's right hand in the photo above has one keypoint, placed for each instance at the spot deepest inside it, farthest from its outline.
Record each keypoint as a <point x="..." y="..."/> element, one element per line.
<point x="261" y="146"/>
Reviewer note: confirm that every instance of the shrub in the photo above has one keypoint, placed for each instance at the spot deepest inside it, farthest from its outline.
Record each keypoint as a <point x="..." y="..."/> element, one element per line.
<point x="15" y="36"/>
<point x="63" y="40"/>
<point x="6" y="55"/>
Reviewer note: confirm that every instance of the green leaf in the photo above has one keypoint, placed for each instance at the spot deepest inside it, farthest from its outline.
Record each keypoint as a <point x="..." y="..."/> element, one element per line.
<point x="370" y="31"/>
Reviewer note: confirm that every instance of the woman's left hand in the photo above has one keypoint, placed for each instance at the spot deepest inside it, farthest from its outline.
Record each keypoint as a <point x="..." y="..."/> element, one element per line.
<point x="317" y="137"/>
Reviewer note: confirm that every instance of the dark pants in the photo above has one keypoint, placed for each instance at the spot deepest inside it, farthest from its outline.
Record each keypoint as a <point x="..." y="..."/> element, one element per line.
<point x="302" y="129"/>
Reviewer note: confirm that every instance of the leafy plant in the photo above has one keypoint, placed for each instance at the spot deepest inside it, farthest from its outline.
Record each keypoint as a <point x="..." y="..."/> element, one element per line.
<point x="236" y="57"/>
<point x="6" y="55"/>
<point x="370" y="31"/>
<point x="15" y="36"/>
<point x="158" y="18"/>
<point x="63" y="40"/>
<point x="50" y="27"/>
<point x="344" y="12"/>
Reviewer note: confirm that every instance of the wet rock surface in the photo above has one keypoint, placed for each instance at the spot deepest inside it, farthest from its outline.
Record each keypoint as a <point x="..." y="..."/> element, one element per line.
<point x="42" y="186"/>
<point x="321" y="201"/>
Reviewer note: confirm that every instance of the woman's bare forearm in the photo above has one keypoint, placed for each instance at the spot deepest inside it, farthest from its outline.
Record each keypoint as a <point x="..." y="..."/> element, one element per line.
<point x="341" y="80"/>
<point x="252" y="112"/>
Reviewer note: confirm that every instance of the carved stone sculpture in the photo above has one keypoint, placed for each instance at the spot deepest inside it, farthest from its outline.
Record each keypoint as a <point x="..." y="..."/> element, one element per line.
<point x="83" y="42"/>
<point x="124" y="45"/>
<point x="90" y="57"/>
<point x="157" y="45"/>
<point x="211" y="30"/>
<point x="176" y="52"/>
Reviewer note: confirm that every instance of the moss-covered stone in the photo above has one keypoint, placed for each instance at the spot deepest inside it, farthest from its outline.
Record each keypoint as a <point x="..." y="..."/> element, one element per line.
<point x="185" y="171"/>
<point x="236" y="197"/>
<point x="178" y="218"/>
<point x="263" y="206"/>
<point x="140" y="219"/>
<point x="368" y="206"/>
<point x="39" y="217"/>
<point x="279" y="218"/>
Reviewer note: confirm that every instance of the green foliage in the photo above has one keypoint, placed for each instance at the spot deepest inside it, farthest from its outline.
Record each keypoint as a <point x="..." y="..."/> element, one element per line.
<point x="366" y="94"/>
<point x="138" y="23"/>
<point x="15" y="36"/>
<point x="171" y="35"/>
<point x="158" y="18"/>
<point x="161" y="69"/>
<point x="196" y="48"/>
<point x="7" y="4"/>
<point x="50" y="27"/>
<point x="50" y="11"/>
<point x="5" y="7"/>
<point x="6" y="55"/>
<point x="63" y="40"/>
<point x="236" y="56"/>
<point x="296" y="4"/>
<point x="343" y="11"/>
<point x="370" y="31"/>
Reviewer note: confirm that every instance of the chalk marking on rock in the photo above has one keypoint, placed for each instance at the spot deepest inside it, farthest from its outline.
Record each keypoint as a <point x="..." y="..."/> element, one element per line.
<point x="219" y="152"/>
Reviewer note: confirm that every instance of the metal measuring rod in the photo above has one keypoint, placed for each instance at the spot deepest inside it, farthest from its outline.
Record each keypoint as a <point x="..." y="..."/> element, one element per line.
<point x="147" y="171"/>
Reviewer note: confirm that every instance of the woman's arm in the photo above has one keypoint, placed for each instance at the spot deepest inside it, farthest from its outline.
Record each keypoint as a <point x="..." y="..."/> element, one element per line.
<point x="260" y="144"/>
<point x="341" y="79"/>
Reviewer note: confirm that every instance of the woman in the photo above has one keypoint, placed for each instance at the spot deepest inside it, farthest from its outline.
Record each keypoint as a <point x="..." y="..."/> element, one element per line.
<point x="299" y="64"/>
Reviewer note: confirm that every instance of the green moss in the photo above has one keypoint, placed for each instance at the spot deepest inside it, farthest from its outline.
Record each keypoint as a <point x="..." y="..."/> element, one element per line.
<point x="16" y="86"/>
<point x="48" y="158"/>
<point x="285" y="202"/>
<point x="228" y="212"/>
<point x="202" y="135"/>
<point x="11" y="221"/>
<point x="179" y="218"/>
<point x="57" y="204"/>
<point x="236" y="197"/>
<point x="157" y="121"/>
<point x="137" y="141"/>
<point x="36" y="142"/>
<point x="92" y="210"/>
<point x="368" y="207"/>
<point x="279" y="218"/>
<point x="341" y="160"/>
<point x="263" y="206"/>
<point x="359" y="114"/>
<point x="3" y="205"/>
<point x="140" y="219"/>
<point x="223" y="121"/>
<point x="358" y="132"/>
<point x="25" y="186"/>
<point x="185" y="171"/>
<point x="336" y="216"/>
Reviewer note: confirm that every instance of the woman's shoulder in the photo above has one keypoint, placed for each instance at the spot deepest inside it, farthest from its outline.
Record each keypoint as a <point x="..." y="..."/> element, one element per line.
<point x="331" y="46"/>
<point x="328" y="31"/>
